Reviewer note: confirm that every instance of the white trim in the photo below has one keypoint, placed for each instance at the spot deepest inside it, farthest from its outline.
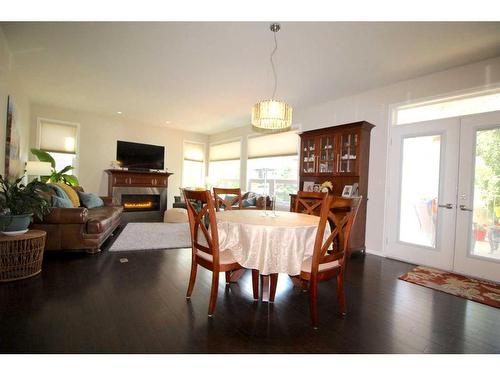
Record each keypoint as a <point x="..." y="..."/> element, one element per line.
<point x="449" y="96"/>
<point x="39" y="121"/>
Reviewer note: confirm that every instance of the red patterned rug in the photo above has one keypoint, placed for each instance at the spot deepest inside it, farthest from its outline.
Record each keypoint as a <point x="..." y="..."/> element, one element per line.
<point x="476" y="290"/>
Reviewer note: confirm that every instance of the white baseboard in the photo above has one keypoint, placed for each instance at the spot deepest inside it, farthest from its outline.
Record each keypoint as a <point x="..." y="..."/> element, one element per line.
<point x="375" y="252"/>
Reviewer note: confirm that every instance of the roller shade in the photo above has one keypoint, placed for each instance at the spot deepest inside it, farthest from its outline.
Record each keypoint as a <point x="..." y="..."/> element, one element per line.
<point x="225" y="151"/>
<point x="56" y="137"/>
<point x="280" y="144"/>
<point x="194" y="151"/>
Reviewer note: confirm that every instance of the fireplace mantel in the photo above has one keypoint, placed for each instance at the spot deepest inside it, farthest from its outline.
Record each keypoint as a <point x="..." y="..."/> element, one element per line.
<point x="125" y="182"/>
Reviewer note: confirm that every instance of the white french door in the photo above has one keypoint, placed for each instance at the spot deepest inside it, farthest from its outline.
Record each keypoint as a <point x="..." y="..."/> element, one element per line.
<point x="477" y="249"/>
<point x="422" y="192"/>
<point x="444" y="195"/>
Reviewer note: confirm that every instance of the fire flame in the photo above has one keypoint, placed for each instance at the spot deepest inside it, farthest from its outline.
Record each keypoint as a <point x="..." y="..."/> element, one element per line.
<point x="139" y="205"/>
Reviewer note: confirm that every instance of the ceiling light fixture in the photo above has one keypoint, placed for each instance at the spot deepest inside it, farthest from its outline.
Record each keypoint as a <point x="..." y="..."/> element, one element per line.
<point x="272" y="114"/>
<point x="119" y="112"/>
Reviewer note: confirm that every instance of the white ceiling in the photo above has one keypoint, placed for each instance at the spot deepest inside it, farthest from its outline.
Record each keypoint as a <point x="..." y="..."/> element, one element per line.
<point x="205" y="77"/>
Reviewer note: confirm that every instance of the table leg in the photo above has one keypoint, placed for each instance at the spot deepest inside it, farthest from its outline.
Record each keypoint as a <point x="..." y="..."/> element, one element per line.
<point x="269" y="283"/>
<point x="265" y="285"/>
<point x="236" y="275"/>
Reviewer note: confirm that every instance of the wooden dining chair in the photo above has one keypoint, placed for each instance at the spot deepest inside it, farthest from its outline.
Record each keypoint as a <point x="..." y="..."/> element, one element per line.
<point x="228" y="203"/>
<point x="326" y="263"/>
<point x="308" y="202"/>
<point x="205" y="245"/>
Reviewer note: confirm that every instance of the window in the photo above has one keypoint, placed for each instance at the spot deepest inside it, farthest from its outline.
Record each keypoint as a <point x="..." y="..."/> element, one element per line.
<point x="60" y="140"/>
<point x="193" y="169"/>
<point x="449" y="107"/>
<point x="273" y="165"/>
<point x="224" y="166"/>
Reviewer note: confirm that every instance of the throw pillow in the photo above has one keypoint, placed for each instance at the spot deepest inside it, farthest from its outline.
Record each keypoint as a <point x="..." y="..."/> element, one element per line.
<point x="71" y="193"/>
<point x="90" y="200"/>
<point x="249" y="202"/>
<point x="59" y="192"/>
<point x="59" y="202"/>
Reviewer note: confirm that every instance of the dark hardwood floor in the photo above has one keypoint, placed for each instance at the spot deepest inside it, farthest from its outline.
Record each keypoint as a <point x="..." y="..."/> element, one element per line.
<point x="96" y="304"/>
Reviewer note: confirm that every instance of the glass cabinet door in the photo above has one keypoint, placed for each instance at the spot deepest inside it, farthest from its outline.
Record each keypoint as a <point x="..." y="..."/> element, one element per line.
<point x="309" y="155"/>
<point x="326" y="154"/>
<point x="348" y="157"/>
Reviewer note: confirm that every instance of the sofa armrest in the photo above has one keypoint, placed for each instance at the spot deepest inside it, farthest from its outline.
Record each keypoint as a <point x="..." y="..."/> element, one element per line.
<point x="77" y="215"/>
<point x="108" y="201"/>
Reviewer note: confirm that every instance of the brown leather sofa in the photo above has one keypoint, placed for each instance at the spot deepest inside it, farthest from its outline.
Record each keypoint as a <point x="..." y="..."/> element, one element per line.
<point x="77" y="229"/>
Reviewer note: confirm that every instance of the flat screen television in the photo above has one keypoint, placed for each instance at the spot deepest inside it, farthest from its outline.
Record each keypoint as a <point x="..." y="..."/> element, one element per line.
<point x="140" y="156"/>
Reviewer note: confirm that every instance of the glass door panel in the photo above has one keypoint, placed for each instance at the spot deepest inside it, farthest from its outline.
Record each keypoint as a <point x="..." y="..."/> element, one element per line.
<point x="422" y="193"/>
<point x="485" y="228"/>
<point x="477" y="241"/>
<point x="309" y="155"/>
<point x="327" y="154"/>
<point x="348" y="153"/>
<point x="419" y="190"/>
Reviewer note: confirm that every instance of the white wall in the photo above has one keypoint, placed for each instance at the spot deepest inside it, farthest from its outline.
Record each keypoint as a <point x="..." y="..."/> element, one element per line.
<point x="373" y="106"/>
<point x="10" y="86"/>
<point x="97" y="144"/>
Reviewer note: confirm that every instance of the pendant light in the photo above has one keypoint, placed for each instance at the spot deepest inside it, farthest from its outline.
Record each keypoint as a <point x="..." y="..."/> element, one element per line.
<point x="272" y="114"/>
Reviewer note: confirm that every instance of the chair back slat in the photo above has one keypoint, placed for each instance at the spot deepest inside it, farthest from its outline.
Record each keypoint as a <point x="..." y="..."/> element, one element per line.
<point x="308" y="202"/>
<point x="202" y="222"/>
<point x="340" y="213"/>
<point x="226" y="203"/>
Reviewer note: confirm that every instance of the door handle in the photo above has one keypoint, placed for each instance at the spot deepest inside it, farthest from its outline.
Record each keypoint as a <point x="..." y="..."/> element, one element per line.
<point x="449" y="206"/>
<point x="463" y="208"/>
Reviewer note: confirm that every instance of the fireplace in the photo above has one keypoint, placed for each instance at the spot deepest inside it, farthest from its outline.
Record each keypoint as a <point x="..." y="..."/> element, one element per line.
<point x="142" y="194"/>
<point x="140" y="202"/>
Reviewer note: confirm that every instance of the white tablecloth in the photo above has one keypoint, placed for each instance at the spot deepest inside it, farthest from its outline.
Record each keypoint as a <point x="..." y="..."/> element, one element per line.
<point x="269" y="244"/>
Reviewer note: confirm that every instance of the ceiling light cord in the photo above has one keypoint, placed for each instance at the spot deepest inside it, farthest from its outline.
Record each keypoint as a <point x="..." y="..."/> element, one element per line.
<point x="272" y="65"/>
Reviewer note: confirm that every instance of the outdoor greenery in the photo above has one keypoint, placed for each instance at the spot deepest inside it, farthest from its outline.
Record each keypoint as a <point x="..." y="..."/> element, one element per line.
<point x="19" y="199"/>
<point x="487" y="179"/>
<point x="56" y="176"/>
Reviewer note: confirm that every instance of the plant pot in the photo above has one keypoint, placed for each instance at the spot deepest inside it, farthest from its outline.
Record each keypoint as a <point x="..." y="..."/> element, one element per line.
<point x="479" y="234"/>
<point x="13" y="225"/>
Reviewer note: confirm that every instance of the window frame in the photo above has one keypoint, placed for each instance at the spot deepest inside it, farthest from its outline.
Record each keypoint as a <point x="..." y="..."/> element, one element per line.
<point x="243" y="146"/>
<point x="204" y="168"/>
<point x="61" y="122"/>
<point x="441" y="98"/>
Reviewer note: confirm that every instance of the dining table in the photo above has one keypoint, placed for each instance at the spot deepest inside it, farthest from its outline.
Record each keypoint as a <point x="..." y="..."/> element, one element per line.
<point x="270" y="242"/>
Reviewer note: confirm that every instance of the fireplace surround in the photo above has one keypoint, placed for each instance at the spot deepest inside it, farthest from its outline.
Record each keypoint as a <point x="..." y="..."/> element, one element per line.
<point x="142" y="194"/>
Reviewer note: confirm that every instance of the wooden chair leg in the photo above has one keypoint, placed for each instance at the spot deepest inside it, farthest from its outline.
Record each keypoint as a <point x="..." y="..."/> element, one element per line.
<point x="255" y="284"/>
<point x="304" y="285"/>
<point x="192" y="278"/>
<point x="340" y="293"/>
<point x="274" y="284"/>
<point x="213" y="293"/>
<point x="228" y="277"/>
<point x="313" y="301"/>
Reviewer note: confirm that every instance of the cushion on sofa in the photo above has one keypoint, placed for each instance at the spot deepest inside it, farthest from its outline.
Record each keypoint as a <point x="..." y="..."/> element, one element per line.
<point x="59" y="191"/>
<point x="71" y="193"/>
<point x="90" y="200"/>
<point x="102" y="218"/>
<point x="59" y="202"/>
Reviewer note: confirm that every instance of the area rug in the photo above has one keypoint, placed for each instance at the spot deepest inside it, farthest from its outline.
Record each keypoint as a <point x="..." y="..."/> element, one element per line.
<point x="152" y="236"/>
<point x="475" y="290"/>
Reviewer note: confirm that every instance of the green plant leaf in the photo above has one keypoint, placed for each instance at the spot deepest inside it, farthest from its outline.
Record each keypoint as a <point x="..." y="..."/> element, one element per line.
<point x="44" y="156"/>
<point x="66" y="169"/>
<point x="70" y="180"/>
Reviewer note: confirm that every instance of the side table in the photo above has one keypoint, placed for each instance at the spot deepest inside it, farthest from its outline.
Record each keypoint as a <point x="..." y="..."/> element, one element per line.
<point x="21" y="256"/>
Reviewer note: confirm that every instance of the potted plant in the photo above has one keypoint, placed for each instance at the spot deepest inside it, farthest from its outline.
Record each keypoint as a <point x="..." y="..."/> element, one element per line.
<point x="18" y="204"/>
<point x="61" y="176"/>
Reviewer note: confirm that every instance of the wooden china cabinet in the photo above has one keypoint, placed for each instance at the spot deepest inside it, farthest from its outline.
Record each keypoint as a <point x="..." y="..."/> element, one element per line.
<point x="339" y="154"/>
